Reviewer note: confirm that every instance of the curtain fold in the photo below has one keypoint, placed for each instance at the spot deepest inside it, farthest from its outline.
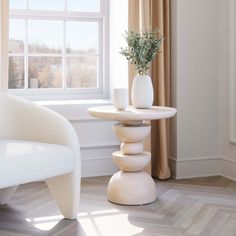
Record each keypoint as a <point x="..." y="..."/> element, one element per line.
<point x="161" y="82"/>
<point x="143" y="15"/>
<point x="4" y="23"/>
<point x="133" y="18"/>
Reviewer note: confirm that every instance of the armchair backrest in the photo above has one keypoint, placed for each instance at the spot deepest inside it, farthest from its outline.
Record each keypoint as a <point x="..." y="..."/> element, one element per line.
<point x="24" y="120"/>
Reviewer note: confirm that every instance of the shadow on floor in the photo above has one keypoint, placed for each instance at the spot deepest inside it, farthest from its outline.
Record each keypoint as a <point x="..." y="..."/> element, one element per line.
<point x="14" y="222"/>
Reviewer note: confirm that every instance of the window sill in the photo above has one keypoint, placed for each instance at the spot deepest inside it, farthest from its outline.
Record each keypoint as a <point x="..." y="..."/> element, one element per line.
<point x="74" y="110"/>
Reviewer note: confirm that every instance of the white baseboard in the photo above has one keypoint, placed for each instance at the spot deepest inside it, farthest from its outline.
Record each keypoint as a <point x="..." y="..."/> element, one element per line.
<point x="181" y="169"/>
<point x="97" y="161"/>
<point x="98" y="167"/>
<point x="228" y="168"/>
<point x="203" y="167"/>
<point x="197" y="167"/>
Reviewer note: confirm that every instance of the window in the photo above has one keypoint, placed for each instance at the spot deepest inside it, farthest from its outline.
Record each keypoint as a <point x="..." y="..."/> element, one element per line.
<point x="58" y="48"/>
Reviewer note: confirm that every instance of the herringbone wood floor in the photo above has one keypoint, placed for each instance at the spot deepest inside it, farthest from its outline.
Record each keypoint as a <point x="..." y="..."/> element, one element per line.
<point x="201" y="206"/>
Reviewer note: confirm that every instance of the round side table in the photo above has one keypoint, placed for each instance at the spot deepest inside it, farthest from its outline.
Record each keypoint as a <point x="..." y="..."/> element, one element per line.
<point x="131" y="185"/>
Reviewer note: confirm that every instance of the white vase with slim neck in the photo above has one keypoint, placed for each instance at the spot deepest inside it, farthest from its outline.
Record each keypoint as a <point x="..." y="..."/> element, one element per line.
<point x="142" y="91"/>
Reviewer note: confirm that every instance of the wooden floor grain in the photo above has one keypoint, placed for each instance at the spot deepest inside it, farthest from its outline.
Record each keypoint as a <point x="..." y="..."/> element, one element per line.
<point x="201" y="206"/>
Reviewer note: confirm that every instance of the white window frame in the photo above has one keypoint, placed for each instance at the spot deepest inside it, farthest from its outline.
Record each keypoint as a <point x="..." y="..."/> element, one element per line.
<point x="102" y="92"/>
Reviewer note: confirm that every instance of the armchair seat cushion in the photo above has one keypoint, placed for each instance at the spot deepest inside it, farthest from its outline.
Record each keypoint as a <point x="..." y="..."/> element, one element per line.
<point x="25" y="161"/>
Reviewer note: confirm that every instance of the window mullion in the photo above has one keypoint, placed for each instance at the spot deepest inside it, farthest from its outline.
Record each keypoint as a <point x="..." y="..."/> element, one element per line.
<point x="45" y="55"/>
<point x="64" y="57"/>
<point x="65" y="5"/>
<point x="33" y="14"/>
<point x="26" y="59"/>
<point x="100" y="56"/>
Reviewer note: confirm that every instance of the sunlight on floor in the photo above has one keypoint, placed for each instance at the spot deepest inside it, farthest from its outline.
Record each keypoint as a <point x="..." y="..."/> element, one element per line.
<point x="96" y="223"/>
<point x="45" y="223"/>
<point x="107" y="222"/>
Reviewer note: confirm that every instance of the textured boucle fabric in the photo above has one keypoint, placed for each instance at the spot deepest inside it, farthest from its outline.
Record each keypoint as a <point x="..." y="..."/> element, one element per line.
<point x="26" y="126"/>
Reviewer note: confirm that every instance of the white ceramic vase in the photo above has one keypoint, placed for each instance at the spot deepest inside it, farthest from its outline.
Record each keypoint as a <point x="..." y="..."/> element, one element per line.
<point x="142" y="91"/>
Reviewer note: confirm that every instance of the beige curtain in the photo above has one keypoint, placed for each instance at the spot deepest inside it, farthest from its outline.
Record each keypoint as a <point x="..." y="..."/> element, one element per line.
<point x="144" y="14"/>
<point x="4" y="16"/>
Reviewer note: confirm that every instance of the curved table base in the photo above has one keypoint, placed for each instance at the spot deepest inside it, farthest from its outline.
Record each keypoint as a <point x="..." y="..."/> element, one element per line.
<point x="131" y="188"/>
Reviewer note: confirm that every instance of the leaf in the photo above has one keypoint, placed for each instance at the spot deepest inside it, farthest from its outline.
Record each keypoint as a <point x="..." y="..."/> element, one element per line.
<point x="142" y="48"/>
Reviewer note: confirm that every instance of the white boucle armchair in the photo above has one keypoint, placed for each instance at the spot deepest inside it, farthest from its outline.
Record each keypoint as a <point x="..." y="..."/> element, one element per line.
<point x="38" y="144"/>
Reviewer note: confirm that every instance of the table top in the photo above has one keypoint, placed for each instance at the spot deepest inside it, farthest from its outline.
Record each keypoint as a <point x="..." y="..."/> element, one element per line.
<point x="131" y="113"/>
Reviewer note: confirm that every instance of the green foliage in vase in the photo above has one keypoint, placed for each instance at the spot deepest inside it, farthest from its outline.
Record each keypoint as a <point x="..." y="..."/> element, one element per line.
<point x="142" y="48"/>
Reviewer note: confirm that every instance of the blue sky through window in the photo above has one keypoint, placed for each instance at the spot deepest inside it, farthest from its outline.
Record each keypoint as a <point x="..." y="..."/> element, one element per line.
<point x="17" y="4"/>
<point x="57" y="5"/>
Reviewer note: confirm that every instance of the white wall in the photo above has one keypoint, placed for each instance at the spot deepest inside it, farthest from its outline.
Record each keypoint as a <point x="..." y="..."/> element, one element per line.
<point x="195" y="87"/>
<point x="227" y="67"/>
<point x="118" y="25"/>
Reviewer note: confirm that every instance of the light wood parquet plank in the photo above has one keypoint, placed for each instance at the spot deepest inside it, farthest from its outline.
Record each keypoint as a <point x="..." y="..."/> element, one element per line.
<point x="229" y="228"/>
<point x="200" y="206"/>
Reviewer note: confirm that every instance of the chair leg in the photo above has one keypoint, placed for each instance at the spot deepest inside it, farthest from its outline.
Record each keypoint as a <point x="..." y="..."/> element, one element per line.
<point x="6" y="194"/>
<point x="65" y="190"/>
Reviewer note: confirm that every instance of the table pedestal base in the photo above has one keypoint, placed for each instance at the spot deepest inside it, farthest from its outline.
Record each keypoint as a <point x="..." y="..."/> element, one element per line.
<point x="131" y="185"/>
<point x="131" y="188"/>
